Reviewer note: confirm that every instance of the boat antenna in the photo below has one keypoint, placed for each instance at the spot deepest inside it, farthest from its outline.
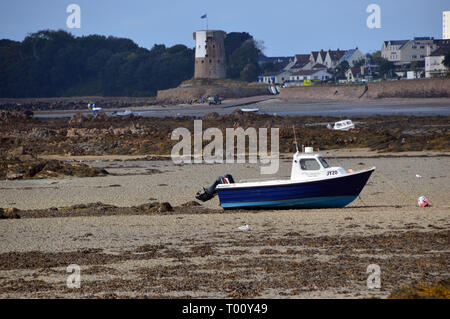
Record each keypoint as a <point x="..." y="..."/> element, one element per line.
<point x="295" y="138"/>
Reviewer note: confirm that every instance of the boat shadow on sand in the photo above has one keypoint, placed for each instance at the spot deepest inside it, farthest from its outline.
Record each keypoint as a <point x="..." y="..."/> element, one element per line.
<point x="359" y="207"/>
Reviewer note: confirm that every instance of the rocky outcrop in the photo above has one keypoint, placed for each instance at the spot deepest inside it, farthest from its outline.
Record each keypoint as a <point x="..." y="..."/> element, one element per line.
<point x="195" y="94"/>
<point x="9" y="213"/>
<point x="7" y="117"/>
<point x="17" y="165"/>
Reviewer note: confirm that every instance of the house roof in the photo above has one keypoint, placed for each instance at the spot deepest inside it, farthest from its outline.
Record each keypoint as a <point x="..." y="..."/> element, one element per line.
<point x="336" y="55"/>
<point x="319" y="66"/>
<point x="303" y="57"/>
<point x="302" y="60"/>
<point x="277" y="73"/>
<point x="306" y="72"/>
<point x="323" y="54"/>
<point x="348" y="54"/>
<point x="443" y="50"/>
<point x="357" y="71"/>
<point x="315" y="54"/>
<point x="442" y="42"/>
<point x="396" y="42"/>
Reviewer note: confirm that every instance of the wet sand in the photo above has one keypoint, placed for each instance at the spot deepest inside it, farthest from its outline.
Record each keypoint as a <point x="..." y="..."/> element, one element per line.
<point x="138" y="182"/>
<point x="285" y="254"/>
<point x="273" y="105"/>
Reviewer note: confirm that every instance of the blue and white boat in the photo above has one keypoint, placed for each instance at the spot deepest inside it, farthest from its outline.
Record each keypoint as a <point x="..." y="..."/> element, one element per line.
<point x="313" y="184"/>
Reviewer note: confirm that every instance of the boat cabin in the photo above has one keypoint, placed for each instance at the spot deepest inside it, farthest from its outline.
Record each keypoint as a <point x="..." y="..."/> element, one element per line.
<point x="344" y="125"/>
<point x="310" y="165"/>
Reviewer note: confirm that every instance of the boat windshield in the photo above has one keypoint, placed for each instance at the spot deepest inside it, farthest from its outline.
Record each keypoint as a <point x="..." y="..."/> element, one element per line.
<point x="324" y="162"/>
<point x="309" y="164"/>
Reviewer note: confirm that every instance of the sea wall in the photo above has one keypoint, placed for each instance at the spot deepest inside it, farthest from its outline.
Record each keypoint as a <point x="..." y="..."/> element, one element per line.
<point x="195" y="94"/>
<point x="422" y="88"/>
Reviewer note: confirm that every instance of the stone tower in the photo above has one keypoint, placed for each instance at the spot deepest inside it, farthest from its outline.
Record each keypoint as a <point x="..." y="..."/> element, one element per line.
<point x="210" y="54"/>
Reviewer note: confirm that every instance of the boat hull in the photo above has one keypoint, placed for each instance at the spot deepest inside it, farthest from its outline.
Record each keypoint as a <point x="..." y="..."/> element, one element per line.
<point x="328" y="193"/>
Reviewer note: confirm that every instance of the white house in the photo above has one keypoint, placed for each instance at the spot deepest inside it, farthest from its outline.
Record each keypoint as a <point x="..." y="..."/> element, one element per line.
<point x="356" y="74"/>
<point x="352" y="56"/>
<point x="275" y="77"/>
<point x="302" y="75"/>
<point x="406" y="51"/>
<point x="434" y="66"/>
<point x="332" y="58"/>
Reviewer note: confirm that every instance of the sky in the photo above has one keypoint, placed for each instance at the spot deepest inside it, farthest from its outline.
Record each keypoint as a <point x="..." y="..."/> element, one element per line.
<point x="287" y="27"/>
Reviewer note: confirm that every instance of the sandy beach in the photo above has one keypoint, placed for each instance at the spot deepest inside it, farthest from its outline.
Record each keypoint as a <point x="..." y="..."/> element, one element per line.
<point x="119" y="128"/>
<point x="138" y="182"/>
<point x="285" y="254"/>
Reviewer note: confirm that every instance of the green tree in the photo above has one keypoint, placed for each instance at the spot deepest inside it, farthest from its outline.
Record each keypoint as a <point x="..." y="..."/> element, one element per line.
<point x="447" y="60"/>
<point x="359" y="63"/>
<point x="250" y="72"/>
<point x="268" y="67"/>
<point x="385" y="67"/>
<point x="417" y="65"/>
<point x="341" y="69"/>
<point x="234" y="40"/>
<point x="247" y="54"/>
<point x="55" y="63"/>
<point x="240" y="50"/>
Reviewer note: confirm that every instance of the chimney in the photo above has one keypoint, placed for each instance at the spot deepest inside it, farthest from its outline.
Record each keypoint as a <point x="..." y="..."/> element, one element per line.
<point x="428" y="49"/>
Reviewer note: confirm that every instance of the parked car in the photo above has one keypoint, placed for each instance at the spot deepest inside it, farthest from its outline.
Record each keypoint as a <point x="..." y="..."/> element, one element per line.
<point x="214" y="100"/>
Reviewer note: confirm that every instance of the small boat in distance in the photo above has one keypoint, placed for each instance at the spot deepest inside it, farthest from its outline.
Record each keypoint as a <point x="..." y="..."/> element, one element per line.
<point x="313" y="184"/>
<point x="255" y="110"/>
<point x="124" y="113"/>
<point x="344" y="125"/>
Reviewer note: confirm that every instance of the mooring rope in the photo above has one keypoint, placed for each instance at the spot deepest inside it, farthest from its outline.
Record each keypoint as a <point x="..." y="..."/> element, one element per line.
<point x="395" y="187"/>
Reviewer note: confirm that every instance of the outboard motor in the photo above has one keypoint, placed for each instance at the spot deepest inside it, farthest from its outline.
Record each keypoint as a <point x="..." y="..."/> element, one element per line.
<point x="210" y="192"/>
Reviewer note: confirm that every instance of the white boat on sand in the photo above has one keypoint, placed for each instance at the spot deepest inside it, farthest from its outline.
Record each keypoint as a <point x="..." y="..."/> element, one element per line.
<point x="344" y="125"/>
